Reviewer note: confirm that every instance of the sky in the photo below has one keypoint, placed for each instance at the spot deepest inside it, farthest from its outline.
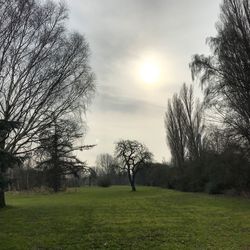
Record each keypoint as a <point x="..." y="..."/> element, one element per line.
<point x="140" y="54"/>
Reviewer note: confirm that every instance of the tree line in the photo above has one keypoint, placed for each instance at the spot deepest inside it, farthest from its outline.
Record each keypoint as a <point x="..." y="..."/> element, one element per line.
<point x="46" y="84"/>
<point x="209" y="141"/>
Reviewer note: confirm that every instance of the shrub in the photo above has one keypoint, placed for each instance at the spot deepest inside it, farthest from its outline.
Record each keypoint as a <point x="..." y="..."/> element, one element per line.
<point x="103" y="181"/>
<point x="213" y="187"/>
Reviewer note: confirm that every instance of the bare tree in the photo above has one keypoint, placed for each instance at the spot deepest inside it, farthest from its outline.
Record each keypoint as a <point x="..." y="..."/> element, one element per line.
<point x="133" y="155"/>
<point x="106" y="164"/>
<point x="44" y="70"/>
<point x="216" y="139"/>
<point x="225" y="74"/>
<point x="175" y="131"/>
<point x="184" y="127"/>
<point x="193" y="122"/>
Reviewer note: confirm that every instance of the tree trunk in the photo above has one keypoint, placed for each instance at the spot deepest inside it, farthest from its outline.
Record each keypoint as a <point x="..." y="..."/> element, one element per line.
<point x="2" y="198"/>
<point x="133" y="185"/>
<point x="131" y="181"/>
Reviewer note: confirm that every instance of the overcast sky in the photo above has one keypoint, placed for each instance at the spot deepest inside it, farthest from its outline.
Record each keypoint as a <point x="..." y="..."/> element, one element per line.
<point x="122" y="35"/>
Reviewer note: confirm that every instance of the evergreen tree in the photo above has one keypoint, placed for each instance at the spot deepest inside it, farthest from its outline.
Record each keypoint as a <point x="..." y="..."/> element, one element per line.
<point x="56" y="152"/>
<point x="7" y="159"/>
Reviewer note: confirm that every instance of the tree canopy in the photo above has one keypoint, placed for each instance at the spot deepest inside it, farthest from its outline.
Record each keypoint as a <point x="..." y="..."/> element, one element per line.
<point x="44" y="72"/>
<point x="225" y="74"/>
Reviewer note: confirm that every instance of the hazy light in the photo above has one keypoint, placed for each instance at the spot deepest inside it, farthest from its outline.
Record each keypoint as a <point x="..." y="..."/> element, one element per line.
<point x="150" y="72"/>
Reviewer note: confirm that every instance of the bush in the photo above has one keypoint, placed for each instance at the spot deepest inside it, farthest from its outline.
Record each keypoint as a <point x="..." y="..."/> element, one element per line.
<point x="103" y="181"/>
<point x="213" y="188"/>
<point x="153" y="174"/>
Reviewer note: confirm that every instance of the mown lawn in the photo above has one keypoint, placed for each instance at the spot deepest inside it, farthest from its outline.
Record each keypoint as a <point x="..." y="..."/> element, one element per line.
<point x="115" y="218"/>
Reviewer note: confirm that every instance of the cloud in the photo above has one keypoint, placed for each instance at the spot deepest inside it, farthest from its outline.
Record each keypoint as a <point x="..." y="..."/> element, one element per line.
<point x="121" y="31"/>
<point x="107" y="102"/>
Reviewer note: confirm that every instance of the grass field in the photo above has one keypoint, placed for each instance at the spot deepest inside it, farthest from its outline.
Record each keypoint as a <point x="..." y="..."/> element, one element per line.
<point x="115" y="218"/>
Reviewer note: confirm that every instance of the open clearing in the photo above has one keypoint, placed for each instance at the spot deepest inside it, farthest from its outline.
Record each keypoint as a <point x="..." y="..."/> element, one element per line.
<point x="116" y="218"/>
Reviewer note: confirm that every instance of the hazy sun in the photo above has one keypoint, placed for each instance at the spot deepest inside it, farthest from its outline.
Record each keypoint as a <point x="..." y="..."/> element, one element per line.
<point x="149" y="72"/>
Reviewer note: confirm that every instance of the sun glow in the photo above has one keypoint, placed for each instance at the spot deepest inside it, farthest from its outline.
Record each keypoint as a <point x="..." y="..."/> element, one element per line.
<point x="149" y="72"/>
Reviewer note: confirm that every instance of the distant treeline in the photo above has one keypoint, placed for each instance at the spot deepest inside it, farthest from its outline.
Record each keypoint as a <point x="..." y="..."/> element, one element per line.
<point x="215" y="174"/>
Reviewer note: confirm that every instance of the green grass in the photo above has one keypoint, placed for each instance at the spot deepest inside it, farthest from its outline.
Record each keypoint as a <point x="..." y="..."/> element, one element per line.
<point x="115" y="218"/>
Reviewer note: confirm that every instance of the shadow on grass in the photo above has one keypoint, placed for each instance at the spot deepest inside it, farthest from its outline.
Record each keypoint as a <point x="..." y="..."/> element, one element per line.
<point x="8" y="207"/>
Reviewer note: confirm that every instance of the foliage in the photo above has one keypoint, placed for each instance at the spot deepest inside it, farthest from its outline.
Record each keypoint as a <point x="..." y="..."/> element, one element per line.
<point x="23" y="178"/>
<point x="104" y="181"/>
<point x="7" y="159"/>
<point x="154" y="174"/>
<point x="56" y="152"/>
<point x="221" y="162"/>
<point x="214" y="173"/>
